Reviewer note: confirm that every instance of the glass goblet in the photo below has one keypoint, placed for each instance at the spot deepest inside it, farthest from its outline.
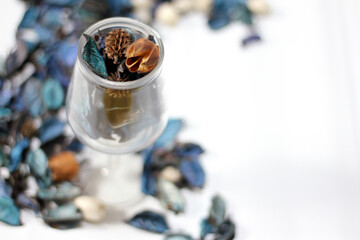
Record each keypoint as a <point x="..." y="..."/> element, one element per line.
<point x="115" y="118"/>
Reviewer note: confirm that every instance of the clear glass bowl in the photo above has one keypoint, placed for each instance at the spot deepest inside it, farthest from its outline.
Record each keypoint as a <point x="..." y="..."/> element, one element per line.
<point x="116" y="117"/>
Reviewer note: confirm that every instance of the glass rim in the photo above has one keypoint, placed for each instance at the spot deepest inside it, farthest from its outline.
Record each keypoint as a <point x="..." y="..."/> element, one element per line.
<point x="119" y="22"/>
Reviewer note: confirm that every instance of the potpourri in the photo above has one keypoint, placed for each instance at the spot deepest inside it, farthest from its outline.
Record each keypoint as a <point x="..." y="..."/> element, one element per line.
<point x="33" y="131"/>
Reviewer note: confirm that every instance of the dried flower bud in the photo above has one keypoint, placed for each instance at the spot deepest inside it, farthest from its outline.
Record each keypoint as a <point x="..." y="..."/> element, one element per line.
<point x="64" y="166"/>
<point x="116" y="43"/>
<point x="142" y="56"/>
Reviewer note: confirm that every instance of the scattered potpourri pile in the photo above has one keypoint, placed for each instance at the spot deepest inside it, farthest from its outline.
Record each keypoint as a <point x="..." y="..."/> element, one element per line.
<point x="38" y="151"/>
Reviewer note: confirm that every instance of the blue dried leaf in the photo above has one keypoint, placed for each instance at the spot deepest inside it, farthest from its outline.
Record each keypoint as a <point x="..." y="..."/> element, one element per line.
<point x="53" y="17"/>
<point x="188" y="150"/>
<point x="206" y="228"/>
<point x="53" y="94"/>
<point x="66" y="53"/>
<point x="167" y="138"/>
<point x="241" y="12"/>
<point x="64" y="3"/>
<point x="75" y="146"/>
<point x="192" y="172"/>
<point x="45" y="35"/>
<point x="148" y="185"/>
<point x="219" y="14"/>
<point x="30" y="17"/>
<point x="37" y="162"/>
<point x="17" y="57"/>
<point x="24" y="201"/>
<point x="217" y="211"/>
<point x="9" y="213"/>
<point x="226" y="231"/>
<point x="5" y="96"/>
<point x="178" y="236"/>
<point x="16" y="154"/>
<point x="5" y="189"/>
<point x="119" y="7"/>
<point x="61" y="192"/>
<point x="149" y="221"/>
<point x="57" y="71"/>
<point x="63" y="217"/>
<point x="45" y="180"/>
<point x="251" y="39"/>
<point x="51" y="129"/>
<point x="5" y="114"/>
<point x="32" y="97"/>
<point x="92" y="56"/>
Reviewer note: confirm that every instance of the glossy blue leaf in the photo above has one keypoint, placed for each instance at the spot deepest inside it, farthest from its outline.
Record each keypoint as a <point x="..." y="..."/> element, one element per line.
<point x="16" y="154"/>
<point x="51" y="129"/>
<point x="217" y="211"/>
<point x="168" y="136"/>
<point x="57" y="71"/>
<point x="193" y="172"/>
<point x="32" y="97"/>
<point x="5" y="96"/>
<point x="53" y="94"/>
<point x="52" y="17"/>
<point x="149" y="221"/>
<point x="93" y="58"/>
<point x="9" y="213"/>
<point x="66" y="53"/>
<point x="206" y="228"/>
<point x="117" y="7"/>
<point x="5" y="114"/>
<point x="30" y="17"/>
<point x="148" y="181"/>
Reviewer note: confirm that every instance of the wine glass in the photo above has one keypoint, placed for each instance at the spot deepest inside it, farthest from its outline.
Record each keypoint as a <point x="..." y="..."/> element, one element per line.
<point x="115" y="118"/>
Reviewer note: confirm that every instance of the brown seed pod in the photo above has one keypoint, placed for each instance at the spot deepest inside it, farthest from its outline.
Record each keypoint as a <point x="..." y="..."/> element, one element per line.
<point x="116" y="43"/>
<point x="64" y="166"/>
<point x="142" y="56"/>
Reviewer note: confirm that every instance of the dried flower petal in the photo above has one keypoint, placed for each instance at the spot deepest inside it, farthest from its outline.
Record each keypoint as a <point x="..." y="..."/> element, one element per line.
<point x="142" y="56"/>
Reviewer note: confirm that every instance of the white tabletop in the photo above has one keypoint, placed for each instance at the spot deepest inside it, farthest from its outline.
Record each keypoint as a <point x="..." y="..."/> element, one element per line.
<point x="279" y="122"/>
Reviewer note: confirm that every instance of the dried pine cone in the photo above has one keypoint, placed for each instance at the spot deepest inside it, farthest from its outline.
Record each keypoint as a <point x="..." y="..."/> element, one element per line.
<point x="116" y="43"/>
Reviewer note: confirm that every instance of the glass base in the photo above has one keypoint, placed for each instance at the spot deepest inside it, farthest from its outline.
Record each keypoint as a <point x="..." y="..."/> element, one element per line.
<point x="114" y="179"/>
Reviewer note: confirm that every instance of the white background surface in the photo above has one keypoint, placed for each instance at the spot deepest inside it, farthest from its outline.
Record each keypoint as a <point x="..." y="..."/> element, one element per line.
<point x="279" y="121"/>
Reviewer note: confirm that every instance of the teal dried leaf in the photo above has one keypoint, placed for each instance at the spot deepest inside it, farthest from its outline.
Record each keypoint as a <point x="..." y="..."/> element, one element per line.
<point x="170" y="196"/>
<point x="217" y="211"/>
<point x="62" y="192"/>
<point x="32" y="97"/>
<point x="30" y="17"/>
<point x="178" y="236"/>
<point x="241" y="12"/>
<point x="92" y="56"/>
<point x="5" y="114"/>
<point x="226" y="231"/>
<point x="16" y="154"/>
<point x="53" y="94"/>
<point x="37" y="162"/>
<point x="63" y="217"/>
<point x="4" y="160"/>
<point x="167" y="138"/>
<point x="9" y="213"/>
<point x="188" y="150"/>
<point x="5" y="189"/>
<point x="51" y="129"/>
<point x="149" y="221"/>
<point x="206" y="228"/>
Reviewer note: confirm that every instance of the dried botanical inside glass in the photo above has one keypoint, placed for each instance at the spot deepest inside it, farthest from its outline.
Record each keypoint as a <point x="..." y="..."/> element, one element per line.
<point x="120" y="55"/>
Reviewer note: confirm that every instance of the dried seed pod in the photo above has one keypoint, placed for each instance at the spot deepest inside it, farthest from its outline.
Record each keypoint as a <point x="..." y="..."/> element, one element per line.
<point x="142" y="56"/>
<point x="64" y="166"/>
<point x="116" y="43"/>
<point x="28" y="128"/>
